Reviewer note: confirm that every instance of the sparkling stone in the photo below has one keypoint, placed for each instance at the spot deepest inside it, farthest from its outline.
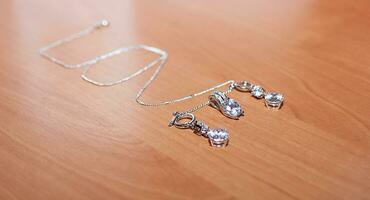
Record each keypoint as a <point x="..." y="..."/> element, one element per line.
<point x="274" y="100"/>
<point x="233" y="109"/>
<point x="218" y="137"/>
<point x="244" y="86"/>
<point x="204" y="130"/>
<point x="258" y="91"/>
<point x="200" y="128"/>
<point x="228" y="107"/>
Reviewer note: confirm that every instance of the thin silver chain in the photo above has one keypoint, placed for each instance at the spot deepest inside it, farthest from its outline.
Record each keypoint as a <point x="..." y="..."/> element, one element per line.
<point x="160" y="61"/>
<point x="70" y="38"/>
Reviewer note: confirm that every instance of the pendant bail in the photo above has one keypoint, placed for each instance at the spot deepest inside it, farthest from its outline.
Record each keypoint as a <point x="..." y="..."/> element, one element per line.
<point x="228" y="107"/>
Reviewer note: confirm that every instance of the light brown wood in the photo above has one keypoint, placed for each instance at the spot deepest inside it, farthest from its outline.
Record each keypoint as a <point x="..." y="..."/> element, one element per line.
<point x="62" y="138"/>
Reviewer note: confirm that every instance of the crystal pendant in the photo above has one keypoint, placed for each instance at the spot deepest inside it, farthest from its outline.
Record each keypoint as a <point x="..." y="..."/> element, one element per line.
<point x="274" y="100"/>
<point x="218" y="137"/>
<point x="228" y="107"/>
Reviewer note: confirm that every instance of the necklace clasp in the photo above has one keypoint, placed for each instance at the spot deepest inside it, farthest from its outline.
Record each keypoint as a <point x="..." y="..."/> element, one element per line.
<point x="182" y="120"/>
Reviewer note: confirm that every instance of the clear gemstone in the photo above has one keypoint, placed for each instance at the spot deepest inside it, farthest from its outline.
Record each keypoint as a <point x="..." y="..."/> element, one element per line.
<point x="274" y="99"/>
<point x="244" y="86"/>
<point x="204" y="129"/>
<point x="217" y="99"/>
<point x="233" y="109"/>
<point x="258" y="91"/>
<point x="218" y="137"/>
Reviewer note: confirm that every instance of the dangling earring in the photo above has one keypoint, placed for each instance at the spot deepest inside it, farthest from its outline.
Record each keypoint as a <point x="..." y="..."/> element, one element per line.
<point x="273" y="100"/>
<point x="218" y="137"/>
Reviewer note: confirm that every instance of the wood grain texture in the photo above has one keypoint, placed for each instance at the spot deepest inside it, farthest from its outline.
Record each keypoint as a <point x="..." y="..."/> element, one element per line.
<point x="62" y="138"/>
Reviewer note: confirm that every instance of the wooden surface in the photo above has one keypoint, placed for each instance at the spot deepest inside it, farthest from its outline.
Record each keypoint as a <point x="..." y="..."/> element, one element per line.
<point x="62" y="138"/>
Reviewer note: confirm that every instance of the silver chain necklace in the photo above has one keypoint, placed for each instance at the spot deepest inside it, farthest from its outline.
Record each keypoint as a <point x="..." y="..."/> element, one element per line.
<point x="184" y="120"/>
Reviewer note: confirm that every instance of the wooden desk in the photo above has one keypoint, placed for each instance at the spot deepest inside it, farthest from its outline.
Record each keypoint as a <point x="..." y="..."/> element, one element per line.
<point x="62" y="138"/>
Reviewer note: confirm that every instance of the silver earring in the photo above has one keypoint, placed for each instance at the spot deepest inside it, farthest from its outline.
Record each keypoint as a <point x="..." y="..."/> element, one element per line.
<point x="218" y="137"/>
<point x="228" y="107"/>
<point x="273" y="100"/>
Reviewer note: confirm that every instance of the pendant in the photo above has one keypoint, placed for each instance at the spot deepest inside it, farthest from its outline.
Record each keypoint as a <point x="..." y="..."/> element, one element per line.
<point x="227" y="106"/>
<point x="218" y="137"/>
<point x="274" y="100"/>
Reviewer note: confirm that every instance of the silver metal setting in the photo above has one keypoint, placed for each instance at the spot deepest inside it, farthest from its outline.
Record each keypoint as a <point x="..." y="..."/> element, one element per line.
<point x="179" y="117"/>
<point x="228" y="107"/>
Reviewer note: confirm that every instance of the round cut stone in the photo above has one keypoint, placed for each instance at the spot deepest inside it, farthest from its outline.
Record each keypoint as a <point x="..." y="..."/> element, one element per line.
<point x="258" y="91"/>
<point x="274" y="99"/>
<point x="233" y="109"/>
<point x="218" y="137"/>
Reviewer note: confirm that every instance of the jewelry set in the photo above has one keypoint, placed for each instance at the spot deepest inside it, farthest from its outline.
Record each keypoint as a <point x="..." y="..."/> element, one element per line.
<point x="230" y="108"/>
